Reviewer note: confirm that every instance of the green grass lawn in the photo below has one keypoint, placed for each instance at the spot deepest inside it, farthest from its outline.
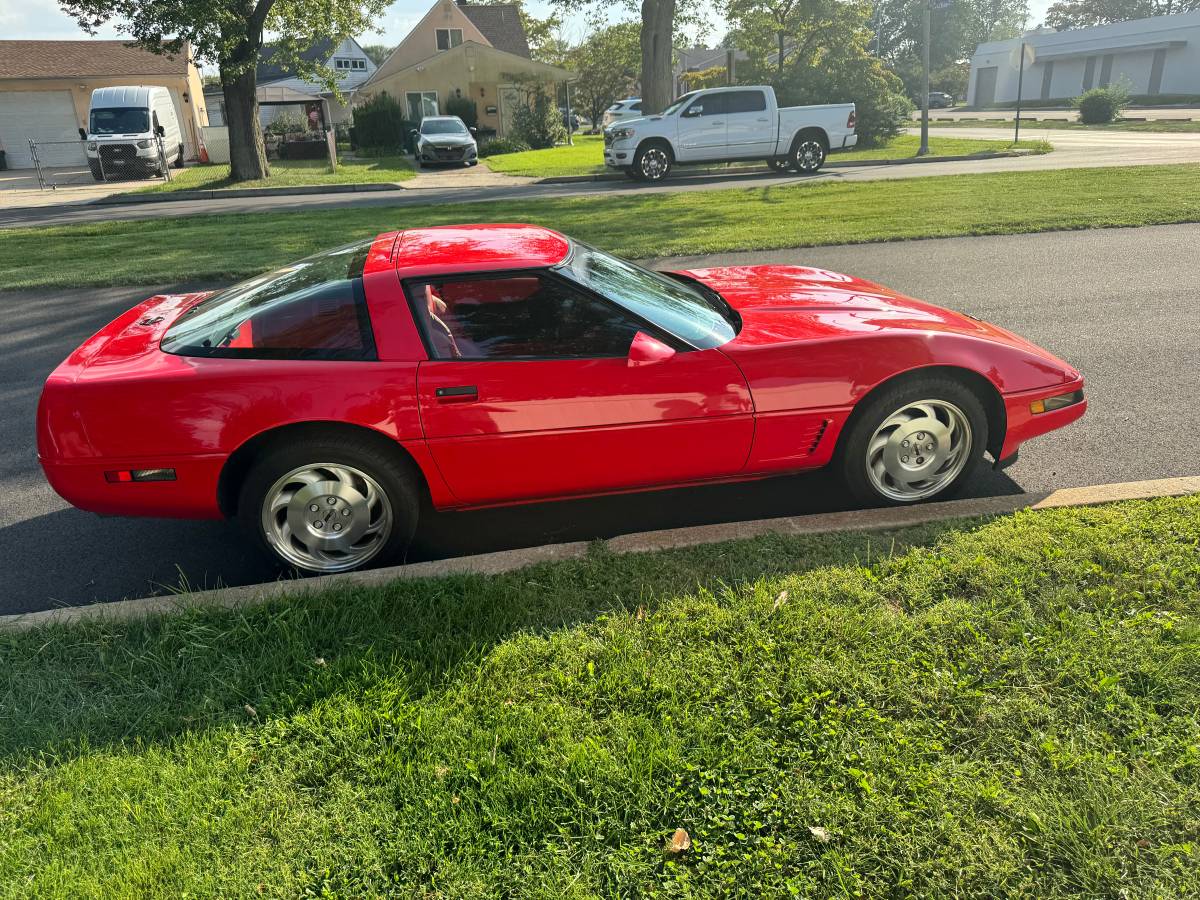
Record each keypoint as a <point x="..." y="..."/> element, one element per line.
<point x="167" y="251"/>
<point x="978" y="710"/>
<point x="587" y="155"/>
<point x="1166" y="127"/>
<point x="289" y="173"/>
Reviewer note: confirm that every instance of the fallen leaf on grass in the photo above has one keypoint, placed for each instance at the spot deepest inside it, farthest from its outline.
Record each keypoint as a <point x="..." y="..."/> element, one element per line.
<point x="780" y="600"/>
<point x="821" y="834"/>
<point x="251" y="711"/>
<point x="680" y="842"/>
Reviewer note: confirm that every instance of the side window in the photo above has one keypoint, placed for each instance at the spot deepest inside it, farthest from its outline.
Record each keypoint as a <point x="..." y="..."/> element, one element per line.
<point x="713" y="104"/>
<point x="155" y="122"/>
<point x="745" y="101"/>
<point x="525" y="316"/>
<point x="312" y="309"/>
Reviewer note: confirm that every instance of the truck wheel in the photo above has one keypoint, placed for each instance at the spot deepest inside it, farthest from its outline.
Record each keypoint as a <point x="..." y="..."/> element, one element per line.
<point x="94" y="165"/>
<point x="632" y="174"/>
<point x="652" y="162"/>
<point x="809" y="154"/>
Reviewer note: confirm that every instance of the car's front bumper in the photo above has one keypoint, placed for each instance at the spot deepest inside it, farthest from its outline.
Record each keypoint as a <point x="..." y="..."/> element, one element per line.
<point x="1024" y="424"/>
<point x="619" y="154"/>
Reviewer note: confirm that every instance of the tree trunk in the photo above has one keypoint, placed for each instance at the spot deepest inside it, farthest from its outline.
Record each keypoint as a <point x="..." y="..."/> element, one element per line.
<point x="247" y="154"/>
<point x="658" y="30"/>
<point x="779" y="61"/>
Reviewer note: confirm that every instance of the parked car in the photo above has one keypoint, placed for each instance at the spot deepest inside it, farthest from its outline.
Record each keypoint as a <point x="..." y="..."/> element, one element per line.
<point x="629" y="108"/>
<point x="727" y="124"/>
<point x="325" y="404"/>
<point x="444" y="140"/>
<point x="125" y="125"/>
<point x="938" y="100"/>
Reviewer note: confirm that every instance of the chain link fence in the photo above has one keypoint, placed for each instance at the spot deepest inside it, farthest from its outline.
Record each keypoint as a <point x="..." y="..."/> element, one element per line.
<point x="62" y="163"/>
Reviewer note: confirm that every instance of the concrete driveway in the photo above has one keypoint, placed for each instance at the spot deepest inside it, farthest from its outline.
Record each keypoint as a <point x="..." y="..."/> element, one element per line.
<point x="1127" y="148"/>
<point x="1123" y="305"/>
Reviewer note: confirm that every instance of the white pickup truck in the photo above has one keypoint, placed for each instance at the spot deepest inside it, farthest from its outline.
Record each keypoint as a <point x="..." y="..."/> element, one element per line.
<point x="727" y="124"/>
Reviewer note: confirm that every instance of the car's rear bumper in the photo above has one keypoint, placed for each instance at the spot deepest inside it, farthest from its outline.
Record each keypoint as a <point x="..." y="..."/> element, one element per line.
<point x="191" y="495"/>
<point x="848" y="141"/>
<point x="1024" y="424"/>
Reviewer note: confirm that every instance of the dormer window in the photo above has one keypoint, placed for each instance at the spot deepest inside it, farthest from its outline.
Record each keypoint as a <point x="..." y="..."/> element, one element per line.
<point x="448" y="37"/>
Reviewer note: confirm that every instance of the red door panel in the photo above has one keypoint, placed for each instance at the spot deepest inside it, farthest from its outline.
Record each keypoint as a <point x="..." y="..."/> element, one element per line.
<point x="512" y="429"/>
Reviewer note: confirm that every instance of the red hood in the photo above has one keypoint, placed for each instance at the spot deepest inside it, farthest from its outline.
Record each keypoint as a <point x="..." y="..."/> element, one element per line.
<point x="788" y="304"/>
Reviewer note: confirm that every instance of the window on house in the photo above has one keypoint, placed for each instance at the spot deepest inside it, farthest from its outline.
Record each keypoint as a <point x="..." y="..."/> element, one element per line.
<point x="421" y="104"/>
<point x="448" y="37"/>
<point x="345" y="64"/>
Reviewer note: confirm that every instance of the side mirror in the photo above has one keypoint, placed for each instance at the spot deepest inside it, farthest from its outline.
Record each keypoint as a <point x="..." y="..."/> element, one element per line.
<point x="413" y="132"/>
<point x="646" y="350"/>
<point x="692" y="111"/>
<point x="82" y="135"/>
<point x="160" y="131"/>
<point x="473" y="129"/>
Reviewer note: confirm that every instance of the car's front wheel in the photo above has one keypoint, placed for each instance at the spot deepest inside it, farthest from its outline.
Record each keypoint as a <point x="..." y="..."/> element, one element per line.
<point x="330" y="505"/>
<point x="920" y="439"/>
<point x="652" y="162"/>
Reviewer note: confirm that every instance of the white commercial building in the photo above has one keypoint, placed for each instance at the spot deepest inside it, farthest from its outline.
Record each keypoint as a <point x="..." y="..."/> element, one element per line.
<point x="1159" y="55"/>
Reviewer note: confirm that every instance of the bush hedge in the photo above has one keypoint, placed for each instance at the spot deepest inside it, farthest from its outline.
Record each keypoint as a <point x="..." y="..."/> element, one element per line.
<point x="380" y="124"/>
<point x="1100" y="106"/>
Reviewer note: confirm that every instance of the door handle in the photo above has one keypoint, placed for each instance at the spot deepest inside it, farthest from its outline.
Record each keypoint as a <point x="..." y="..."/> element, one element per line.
<point x="463" y="393"/>
<point x="762" y="120"/>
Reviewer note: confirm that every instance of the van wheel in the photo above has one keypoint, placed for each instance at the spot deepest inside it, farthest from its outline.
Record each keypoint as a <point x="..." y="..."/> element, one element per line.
<point x="653" y="161"/>
<point x="179" y="159"/>
<point x="94" y="165"/>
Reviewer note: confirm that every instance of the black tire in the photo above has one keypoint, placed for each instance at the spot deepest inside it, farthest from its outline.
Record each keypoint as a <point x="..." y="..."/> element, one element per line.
<point x="851" y="459"/>
<point x="653" y="161"/>
<point x="178" y="164"/>
<point x="780" y="163"/>
<point x="94" y="165"/>
<point x="631" y="174"/>
<point x="808" y="153"/>
<point x="393" y="473"/>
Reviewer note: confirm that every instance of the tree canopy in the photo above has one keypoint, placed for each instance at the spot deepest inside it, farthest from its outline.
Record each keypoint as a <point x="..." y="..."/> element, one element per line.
<point x="1067" y="14"/>
<point x="608" y="63"/>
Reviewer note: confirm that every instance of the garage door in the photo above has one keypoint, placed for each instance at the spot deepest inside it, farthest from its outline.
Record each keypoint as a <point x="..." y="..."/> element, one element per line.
<point x="40" y="116"/>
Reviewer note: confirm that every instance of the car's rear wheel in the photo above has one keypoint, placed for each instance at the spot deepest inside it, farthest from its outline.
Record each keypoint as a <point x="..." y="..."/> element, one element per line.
<point x="808" y="155"/>
<point x="918" y="440"/>
<point x="330" y="505"/>
<point x="652" y="162"/>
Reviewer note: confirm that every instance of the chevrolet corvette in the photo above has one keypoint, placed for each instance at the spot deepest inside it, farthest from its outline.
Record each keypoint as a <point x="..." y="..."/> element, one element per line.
<point x="326" y="403"/>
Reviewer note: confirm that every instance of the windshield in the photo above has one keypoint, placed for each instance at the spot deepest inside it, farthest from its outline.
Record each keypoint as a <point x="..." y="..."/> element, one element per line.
<point x="309" y="309"/>
<point x="686" y="98"/>
<point x="119" y="120"/>
<point x="696" y="315"/>
<point x="443" y="126"/>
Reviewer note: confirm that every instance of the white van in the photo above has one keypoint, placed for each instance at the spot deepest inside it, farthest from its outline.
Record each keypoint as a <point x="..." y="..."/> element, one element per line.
<point x="122" y="125"/>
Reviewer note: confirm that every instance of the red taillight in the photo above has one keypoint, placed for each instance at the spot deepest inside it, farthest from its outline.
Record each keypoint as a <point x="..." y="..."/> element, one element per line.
<point x="124" y="476"/>
<point x="851" y="119"/>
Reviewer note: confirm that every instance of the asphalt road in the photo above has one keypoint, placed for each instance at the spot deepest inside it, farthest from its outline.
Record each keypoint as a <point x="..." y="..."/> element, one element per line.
<point x="1072" y="150"/>
<point x="1123" y="305"/>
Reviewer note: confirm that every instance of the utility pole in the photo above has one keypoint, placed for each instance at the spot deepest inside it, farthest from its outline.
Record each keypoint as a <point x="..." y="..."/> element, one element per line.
<point x="1020" y="79"/>
<point x="923" y="150"/>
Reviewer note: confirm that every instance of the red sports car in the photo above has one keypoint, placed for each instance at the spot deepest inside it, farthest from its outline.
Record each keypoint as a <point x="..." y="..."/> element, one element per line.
<point x="324" y="403"/>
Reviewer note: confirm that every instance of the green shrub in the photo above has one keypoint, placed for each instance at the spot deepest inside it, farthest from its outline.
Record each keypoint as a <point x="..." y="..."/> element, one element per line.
<point x="1101" y="105"/>
<point x="464" y="108"/>
<point x="287" y="123"/>
<point x="538" y="123"/>
<point x="380" y="124"/>
<point x="497" y="146"/>
<point x="847" y="75"/>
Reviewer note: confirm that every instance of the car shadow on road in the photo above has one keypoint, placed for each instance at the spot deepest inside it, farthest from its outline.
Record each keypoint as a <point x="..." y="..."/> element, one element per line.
<point x="69" y="557"/>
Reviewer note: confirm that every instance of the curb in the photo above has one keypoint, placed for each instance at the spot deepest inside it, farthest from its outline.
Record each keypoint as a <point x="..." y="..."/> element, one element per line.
<point x="643" y="542"/>
<point x="689" y="172"/>
<point x="218" y="193"/>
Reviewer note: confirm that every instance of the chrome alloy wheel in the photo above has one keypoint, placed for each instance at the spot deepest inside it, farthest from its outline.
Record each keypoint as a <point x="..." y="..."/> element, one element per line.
<point x="919" y="450"/>
<point x="654" y="163"/>
<point x="808" y="156"/>
<point x="326" y="517"/>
